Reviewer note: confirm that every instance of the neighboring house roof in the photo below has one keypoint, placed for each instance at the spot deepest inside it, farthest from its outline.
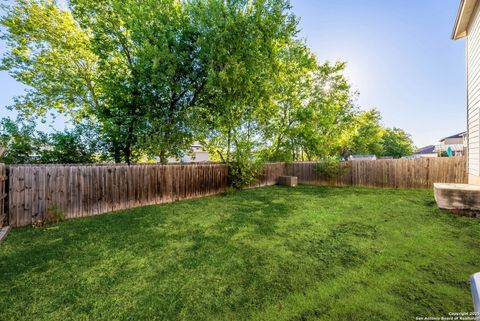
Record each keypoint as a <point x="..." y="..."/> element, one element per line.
<point x="465" y="11"/>
<point x="196" y="144"/>
<point x="459" y="135"/>
<point x="430" y="149"/>
<point x="358" y="157"/>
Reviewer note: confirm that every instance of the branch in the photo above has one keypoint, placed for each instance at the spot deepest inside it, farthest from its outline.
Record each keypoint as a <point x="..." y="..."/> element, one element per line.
<point x="221" y="156"/>
<point x="197" y="93"/>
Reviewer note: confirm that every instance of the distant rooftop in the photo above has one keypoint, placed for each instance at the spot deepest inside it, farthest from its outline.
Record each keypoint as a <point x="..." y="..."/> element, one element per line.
<point x="361" y="157"/>
<point x="430" y="149"/>
<point x="196" y="144"/>
<point x="459" y="135"/>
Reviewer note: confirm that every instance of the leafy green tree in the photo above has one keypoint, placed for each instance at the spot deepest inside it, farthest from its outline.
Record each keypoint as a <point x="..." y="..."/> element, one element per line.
<point x="80" y="145"/>
<point x="366" y="136"/>
<point x="146" y="70"/>
<point x="20" y="141"/>
<point x="291" y="91"/>
<point x="397" y="143"/>
<point x="158" y="77"/>
<point x="313" y="108"/>
<point x="128" y="65"/>
<point x="245" y="40"/>
<point x="53" y="55"/>
<point x="328" y="117"/>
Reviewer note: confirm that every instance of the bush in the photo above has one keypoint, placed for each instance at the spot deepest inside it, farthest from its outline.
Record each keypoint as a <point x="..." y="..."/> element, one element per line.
<point x="330" y="169"/>
<point x="229" y="190"/>
<point x="244" y="173"/>
<point x="54" y="215"/>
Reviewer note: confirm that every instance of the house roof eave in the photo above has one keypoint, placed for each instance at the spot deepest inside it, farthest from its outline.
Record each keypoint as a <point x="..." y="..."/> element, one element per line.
<point x="462" y="19"/>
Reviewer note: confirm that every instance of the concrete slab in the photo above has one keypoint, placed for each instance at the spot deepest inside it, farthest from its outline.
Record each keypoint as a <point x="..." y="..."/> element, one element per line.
<point x="459" y="198"/>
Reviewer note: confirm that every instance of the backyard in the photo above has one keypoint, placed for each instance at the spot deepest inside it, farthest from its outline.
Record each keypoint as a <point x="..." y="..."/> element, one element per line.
<point x="273" y="253"/>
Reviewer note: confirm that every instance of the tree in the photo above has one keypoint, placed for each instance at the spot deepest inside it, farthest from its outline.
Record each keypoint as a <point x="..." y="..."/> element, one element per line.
<point x="397" y="143"/>
<point x="80" y="145"/>
<point x="366" y="136"/>
<point x="243" y="46"/>
<point x="291" y="91"/>
<point x="146" y="70"/>
<point x="166" y="72"/>
<point x="313" y="108"/>
<point x="328" y="117"/>
<point x="22" y="143"/>
<point x="125" y="64"/>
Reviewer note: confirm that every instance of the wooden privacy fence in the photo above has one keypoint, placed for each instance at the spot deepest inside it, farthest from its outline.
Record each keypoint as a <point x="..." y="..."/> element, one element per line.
<point x="397" y="173"/>
<point x="90" y="190"/>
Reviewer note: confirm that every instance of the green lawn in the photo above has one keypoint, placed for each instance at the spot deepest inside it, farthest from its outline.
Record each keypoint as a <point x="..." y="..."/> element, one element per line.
<point x="304" y="253"/>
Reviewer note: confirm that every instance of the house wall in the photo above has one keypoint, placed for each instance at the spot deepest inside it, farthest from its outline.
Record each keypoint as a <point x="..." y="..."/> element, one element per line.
<point x="192" y="157"/>
<point x="453" y="141"/>
<point x="473" y="88"/>
<point x="201" y="156"/>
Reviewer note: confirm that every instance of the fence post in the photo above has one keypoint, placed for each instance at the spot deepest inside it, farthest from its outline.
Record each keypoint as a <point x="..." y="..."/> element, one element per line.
<point x="3" y="195"/>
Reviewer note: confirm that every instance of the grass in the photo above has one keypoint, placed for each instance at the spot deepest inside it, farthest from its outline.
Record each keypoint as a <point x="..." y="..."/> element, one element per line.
<point x="308" y="253"/>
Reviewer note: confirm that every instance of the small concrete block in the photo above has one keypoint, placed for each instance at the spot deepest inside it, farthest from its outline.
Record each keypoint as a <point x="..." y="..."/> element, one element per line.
<point x="288" y="180"/>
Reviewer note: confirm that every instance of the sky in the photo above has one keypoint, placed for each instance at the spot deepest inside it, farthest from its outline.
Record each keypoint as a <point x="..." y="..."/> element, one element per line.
<point x="399" y="55"/>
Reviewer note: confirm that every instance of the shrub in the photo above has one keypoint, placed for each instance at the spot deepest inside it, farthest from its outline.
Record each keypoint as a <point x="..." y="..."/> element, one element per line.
<point x="330" y="169"/>
<point x="229" y="190"/>
<point x="54" y="215"/>
<point x="244" y="173"/>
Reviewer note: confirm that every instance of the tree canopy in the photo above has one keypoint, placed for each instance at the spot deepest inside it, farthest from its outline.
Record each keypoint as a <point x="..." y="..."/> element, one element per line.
<point x="367" y="135"/>
<point x="397" y="143"/>
<point x="23" y="143"/>
<point x="146" y="79"/>
<point x="20" y="141"/>
<point x="143" y="70"/>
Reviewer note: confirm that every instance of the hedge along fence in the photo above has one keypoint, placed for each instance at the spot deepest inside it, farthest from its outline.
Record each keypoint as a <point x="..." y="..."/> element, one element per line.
<point x="86" y="190"/>
<point x="91" y="190"/>
<point x="396" y="173"/>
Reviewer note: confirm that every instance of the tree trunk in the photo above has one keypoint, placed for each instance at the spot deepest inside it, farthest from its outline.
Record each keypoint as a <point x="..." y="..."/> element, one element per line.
<point x="128" y="154"/>
<point x="163" y="157"/>
<point x="129" y="142"/>
<point x="229" y="138"/>
<point x="116" y="150"/>
<point x="116" y="156"/>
